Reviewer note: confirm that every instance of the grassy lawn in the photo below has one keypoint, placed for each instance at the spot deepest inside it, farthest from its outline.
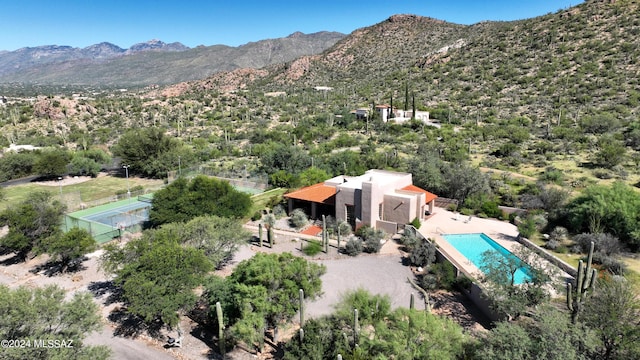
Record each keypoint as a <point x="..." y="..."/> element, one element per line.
<point x="92" y="189"/>
<point x="571" y="259"/>
<point x="260" y="200"/>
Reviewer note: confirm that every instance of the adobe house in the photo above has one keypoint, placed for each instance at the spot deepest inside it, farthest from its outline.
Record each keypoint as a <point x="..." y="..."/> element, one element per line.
<point x="381" y="199"/>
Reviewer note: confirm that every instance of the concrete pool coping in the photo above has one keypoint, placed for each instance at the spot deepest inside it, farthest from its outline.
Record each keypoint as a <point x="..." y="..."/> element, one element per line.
<point x="504" y="233"/>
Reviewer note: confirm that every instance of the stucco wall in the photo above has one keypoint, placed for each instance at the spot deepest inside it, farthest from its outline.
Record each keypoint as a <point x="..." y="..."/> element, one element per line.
<point x="399" y="208"/>
<point x="387" y="226"/>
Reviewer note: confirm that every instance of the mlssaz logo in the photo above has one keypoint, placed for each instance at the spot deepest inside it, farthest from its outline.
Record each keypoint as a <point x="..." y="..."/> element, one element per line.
<point x="52" y="344"/>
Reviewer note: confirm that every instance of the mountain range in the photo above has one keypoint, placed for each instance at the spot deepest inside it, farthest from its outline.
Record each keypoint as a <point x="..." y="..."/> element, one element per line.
<point x="578" y="61"/>
<point x="151" y="62"/>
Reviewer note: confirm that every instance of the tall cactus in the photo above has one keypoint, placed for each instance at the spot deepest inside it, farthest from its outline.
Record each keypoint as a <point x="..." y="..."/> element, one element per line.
<point x="260" y="235"/>
<point x="356" y="327"/>
<point x="221" y="339"/>
<point x="585" y="280"/>
<point x="301" y="292"/>
<point x="270" y="222"/>
<point x="270" y="236"/>
<point x="325" y="238"/>
<point x="338" y="230"/>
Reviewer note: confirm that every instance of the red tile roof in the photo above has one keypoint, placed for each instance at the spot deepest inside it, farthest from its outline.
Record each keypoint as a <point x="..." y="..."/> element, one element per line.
<point x="429" y="196"/>
<point x="319" y="193"/>
<point x="312" y="230"/>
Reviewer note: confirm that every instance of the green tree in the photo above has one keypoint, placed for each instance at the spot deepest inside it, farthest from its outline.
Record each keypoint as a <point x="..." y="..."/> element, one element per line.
<point x="70" y="246"/>
<point x="218" y="238"/>
<point x="507" y="296"/>
<point x="81" y="165"/>
<point x="611" y="209"/>
<point x="462" y="180"/>
<point x="292" y="159"/>
<point x="150" y="152"/>
<point x="426" y="171"/>
<point x="157" y="276"/>
<point x="613" y="310"/>
<point x="264" y="291"/>
<point x="183" y="200"/>
<point x="611" y="152"/>
<point x="32" y="223"/>
<point x="52" y="163"/>
<point x="17" y="165"/>
<point x="548" y="335"/>
<point x="402" y="333"/>
<point x="45" y="314"/>
<point x="311" y="176"/>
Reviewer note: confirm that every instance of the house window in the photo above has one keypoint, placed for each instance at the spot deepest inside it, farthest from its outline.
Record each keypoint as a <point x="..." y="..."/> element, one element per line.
<point x="351" y="215"/>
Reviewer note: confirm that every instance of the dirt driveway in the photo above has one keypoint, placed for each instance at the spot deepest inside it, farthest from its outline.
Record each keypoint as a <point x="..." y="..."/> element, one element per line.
<point x="379" y="274"/>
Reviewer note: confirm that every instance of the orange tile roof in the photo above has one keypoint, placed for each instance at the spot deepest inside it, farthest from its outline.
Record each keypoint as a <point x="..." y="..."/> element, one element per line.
<point x="319" y="193"/>
<point x="312" y="230"/>
<point x="429" y="196"/>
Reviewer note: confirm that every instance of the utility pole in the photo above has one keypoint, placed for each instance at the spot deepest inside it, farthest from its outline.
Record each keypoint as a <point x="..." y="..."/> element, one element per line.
<point x="126" y="169"/>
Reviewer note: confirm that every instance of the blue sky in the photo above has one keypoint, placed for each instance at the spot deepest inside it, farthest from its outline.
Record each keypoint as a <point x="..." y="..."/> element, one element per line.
<point x="80" y="23"/>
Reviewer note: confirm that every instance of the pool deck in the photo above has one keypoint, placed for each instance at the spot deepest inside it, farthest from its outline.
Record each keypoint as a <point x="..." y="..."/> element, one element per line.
<point x="443" y="221"/>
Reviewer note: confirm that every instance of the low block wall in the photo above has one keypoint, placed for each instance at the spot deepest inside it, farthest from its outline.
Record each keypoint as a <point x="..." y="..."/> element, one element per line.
<point x="547" y="256"/>
<point x="474" y="293"/>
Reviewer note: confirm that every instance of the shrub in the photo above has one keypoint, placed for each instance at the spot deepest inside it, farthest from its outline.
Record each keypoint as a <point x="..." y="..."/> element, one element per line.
<point x="602" y="174"/>
<point x="299" y="218"/>
<point x="606" y="244"/>
<point x="409" y="239"/>
<point x="609" y="263"/>
<point x="312" y="248"/>
<point x="372" y="245"/>
<point x="527" y="227"/>
<point x="353" y="247"/>
<point x="256" y="216"/>
<point x="445" y="274"/>
<point x="552" y="244"/>
<point x="559" y="233"/>
<point x="279" y="212"/>
<point x="452" y="207"/>
<point x="371" y="237"/>
<point x="416" y="223"/>
<point x="424" y="254"/>
<point x="463" y="282"/>
<point x="491" y="209"/>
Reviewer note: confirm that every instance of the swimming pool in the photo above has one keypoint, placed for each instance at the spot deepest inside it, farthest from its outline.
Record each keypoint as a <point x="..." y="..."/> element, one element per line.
<point x="472" y="246"/>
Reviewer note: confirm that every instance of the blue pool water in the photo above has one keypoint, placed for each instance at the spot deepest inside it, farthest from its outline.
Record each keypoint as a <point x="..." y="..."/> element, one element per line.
<point x="472" y="246"/>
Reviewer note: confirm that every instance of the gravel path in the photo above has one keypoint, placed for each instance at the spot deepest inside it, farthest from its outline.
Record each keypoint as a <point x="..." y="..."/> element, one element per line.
<point x="379" y="274"/>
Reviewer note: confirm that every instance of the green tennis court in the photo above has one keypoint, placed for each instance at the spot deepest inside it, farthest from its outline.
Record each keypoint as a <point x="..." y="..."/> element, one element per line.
<point x="108" y="221"/>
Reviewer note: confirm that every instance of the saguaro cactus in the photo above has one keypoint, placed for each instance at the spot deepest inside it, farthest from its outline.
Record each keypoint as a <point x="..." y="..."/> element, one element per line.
<point x="270" y="222"/>
<point x="301" y="292"/>
<point x="356" y="326"/>
<point x="338" y="230"/>
<point x="585" y="281"/>
<point x="325" y="238"/>
<point x="260" y="235"/>
<point x="221" y="340"/>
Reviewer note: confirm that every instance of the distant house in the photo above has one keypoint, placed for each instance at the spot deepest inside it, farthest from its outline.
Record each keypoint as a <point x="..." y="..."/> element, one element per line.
<point x="361" y="113"/>
<point x="381" y="199"/>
